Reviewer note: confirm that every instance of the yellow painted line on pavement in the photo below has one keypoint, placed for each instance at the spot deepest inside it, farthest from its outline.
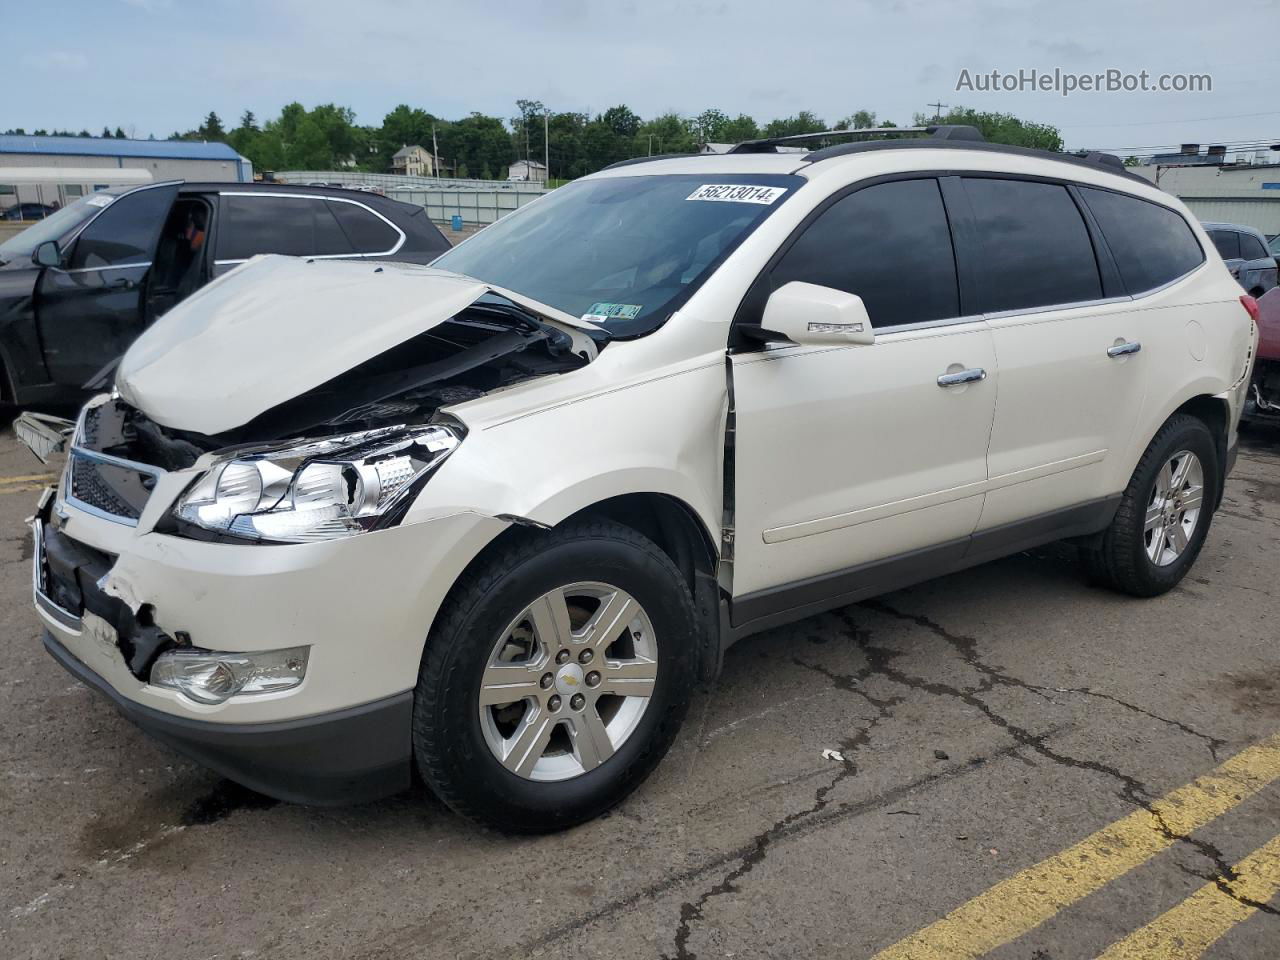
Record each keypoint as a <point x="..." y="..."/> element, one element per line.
<point x="29" y="484"/>
<point x="30" y="478"/>
<point x="1198" y="922"/>
<point x="1027" y="899"/>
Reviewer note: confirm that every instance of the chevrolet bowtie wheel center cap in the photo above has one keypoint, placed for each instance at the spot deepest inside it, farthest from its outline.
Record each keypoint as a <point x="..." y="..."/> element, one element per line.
<point x="570" y="680"/>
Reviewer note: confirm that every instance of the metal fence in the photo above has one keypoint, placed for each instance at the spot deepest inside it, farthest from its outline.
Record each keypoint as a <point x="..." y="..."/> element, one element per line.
<point x="477" y="202"/>
<point x="396" y="181"/>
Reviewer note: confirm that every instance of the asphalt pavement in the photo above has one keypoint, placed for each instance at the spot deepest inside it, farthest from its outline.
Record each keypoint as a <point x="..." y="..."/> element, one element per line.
<point x="1008" y="761"/>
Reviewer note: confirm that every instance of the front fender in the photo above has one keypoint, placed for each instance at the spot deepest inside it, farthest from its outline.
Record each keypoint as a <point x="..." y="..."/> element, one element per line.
<point x="662" y="436"/>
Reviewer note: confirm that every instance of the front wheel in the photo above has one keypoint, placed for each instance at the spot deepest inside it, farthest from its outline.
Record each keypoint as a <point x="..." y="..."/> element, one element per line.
<point x="1164" y="513"/>
<point x="556" y="678"/>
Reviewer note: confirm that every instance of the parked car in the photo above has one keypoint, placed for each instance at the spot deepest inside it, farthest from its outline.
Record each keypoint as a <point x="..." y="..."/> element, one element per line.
<point x="78" y="287"/>
<point x="1263" y="403"/>
<point x="28" y="211"/>
<point x="1273" y="247"/>
<point x="497" y="516"/>
<point x="1245" y="252"/>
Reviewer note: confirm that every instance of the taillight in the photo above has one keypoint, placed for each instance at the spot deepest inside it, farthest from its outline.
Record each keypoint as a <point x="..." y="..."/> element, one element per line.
<point x="1251" y="305"/>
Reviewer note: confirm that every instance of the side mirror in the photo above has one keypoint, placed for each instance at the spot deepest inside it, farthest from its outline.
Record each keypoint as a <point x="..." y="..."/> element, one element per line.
<point x="808" y="314"/>
<point x="47" y="254"/>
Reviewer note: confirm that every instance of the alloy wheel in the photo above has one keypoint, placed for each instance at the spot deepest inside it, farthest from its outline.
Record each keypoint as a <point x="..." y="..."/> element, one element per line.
<point x="567" y="682"/>
<point x="1174" y="508"/>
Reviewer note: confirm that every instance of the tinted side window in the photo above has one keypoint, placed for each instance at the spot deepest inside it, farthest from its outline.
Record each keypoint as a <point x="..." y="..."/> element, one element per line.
<point x="295" y="226"/>
<point x="1036" y="250"/>
<point x="1227" y="242"/>
<point x="1151" y="244"/>
<point x="889" y="244"/>
<point x="366" y="232"/>
<point x="125" y="232"/>
<point x="1251" y="248"/>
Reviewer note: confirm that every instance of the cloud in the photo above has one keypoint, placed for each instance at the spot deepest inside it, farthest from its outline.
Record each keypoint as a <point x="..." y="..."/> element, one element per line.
<point x="150" y="6"/>
<point x="60" y="60"/>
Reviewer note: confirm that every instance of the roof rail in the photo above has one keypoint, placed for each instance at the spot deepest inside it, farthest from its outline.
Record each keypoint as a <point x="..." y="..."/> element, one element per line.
<point x="941" y="131"/>
<point x="1098" y="161"/>
<point x="656" y="156"/>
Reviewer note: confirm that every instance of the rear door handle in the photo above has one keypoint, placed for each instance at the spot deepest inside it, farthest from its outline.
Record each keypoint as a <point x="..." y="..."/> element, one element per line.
<point x="963" y="376"/>
<point x="1124" y="349"/>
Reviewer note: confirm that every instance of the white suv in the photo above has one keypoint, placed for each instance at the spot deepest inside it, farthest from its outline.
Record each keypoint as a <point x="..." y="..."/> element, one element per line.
<point x="495" y="518"/>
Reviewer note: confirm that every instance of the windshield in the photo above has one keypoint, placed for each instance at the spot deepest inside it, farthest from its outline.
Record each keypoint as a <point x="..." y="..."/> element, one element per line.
<point x="621" y="252"/>
<point x="53" y="227"/>
<point x="1275" y="245"/>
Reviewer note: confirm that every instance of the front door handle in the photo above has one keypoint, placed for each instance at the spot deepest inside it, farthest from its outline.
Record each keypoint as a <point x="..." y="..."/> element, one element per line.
<point x="1124" y="349"/>
<point x="963" y="376"/>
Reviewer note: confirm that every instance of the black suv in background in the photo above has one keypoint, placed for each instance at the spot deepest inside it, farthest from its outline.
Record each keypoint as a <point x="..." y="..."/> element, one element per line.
<point x="79" y="286"/>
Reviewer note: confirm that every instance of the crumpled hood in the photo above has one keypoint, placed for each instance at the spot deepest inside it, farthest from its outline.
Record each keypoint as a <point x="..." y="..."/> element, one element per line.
<point x="278" y="326"/>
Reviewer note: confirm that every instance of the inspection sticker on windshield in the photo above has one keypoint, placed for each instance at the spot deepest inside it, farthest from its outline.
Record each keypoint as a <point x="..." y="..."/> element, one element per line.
<point x="599" y="312"/>
<point x="737" y="193"/>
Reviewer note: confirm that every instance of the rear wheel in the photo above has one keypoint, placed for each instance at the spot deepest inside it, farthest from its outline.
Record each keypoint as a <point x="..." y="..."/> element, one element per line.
<point x="556" y="678"/>
<point x="1164" y="513"/>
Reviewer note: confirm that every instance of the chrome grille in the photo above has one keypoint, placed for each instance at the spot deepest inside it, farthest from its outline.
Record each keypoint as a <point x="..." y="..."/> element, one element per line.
<point x="107" y="486"/>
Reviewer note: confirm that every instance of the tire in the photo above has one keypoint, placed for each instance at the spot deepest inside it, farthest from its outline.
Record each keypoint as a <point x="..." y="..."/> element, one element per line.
<point x="1122" y="559"/>
<point x="457" y="742"/>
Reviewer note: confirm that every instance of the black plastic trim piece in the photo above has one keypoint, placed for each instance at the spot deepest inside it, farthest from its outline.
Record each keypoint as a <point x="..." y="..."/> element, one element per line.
<point x="787" y="603"/>
<point x="347" y="756"/>
<point x="934" y="144"/>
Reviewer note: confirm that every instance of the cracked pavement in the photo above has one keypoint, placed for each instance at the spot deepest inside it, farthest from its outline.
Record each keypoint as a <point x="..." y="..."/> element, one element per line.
<point x="983" y="722"/>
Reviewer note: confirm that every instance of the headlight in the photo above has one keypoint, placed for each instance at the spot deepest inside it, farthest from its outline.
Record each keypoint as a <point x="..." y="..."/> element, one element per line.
<point x="318" y="490"/>
<point x="207" y="676"/>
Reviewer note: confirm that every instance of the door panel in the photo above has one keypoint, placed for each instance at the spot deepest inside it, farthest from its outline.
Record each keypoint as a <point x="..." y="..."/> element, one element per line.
<point x="849" y="455"/>
<point x="1066" y="409"/>
<point x="89" y="312"/>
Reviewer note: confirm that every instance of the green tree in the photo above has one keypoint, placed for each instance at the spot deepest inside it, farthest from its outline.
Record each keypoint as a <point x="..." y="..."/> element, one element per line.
<point x="309" y="149"/>
<point x="622" y="120"/>
<point x="858" y="120"/>
<point x="1002" y="128"/>
<point x="248" y="121"/>
<point x="802" y="122"/>
<point x="106" y="133"/>
<point x="211" y="129"/>
<point x="119" y="134"/>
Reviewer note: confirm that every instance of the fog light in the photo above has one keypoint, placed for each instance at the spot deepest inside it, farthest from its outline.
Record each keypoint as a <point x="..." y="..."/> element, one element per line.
<point x="208" y="676"/>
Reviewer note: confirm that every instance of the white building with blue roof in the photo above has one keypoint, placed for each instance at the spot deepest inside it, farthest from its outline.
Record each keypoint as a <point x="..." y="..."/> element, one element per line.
<point x="163" y="159"/>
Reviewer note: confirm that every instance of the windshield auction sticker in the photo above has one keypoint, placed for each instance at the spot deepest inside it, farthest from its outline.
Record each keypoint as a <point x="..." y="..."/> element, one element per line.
<point x="612" y="311"/>
<point x="737" y="193"/>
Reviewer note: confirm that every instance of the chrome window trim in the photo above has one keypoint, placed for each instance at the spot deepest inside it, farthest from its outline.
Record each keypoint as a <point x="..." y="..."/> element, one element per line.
<point x="315" y="196"/>
<point x="926" y="324"/>
<point x="114" y="266"/>
<point x="1073" y="305"/>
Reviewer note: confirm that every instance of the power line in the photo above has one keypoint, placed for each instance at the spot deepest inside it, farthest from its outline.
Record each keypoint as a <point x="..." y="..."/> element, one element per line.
<point x="1148" y="123"/>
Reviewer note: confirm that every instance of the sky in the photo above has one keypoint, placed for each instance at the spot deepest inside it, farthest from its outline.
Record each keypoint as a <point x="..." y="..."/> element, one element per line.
<point x="156" y="66"/>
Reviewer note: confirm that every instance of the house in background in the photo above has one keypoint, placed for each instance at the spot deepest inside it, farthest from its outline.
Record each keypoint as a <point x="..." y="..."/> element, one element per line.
<point x="529" y="170"/>
<point x="413" y="161"/>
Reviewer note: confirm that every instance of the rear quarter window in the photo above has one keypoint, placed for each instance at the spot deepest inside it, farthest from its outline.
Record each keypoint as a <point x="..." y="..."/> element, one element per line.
<point x="1151" y="244"/>
<point x="1227" y="242"/>
<point x="367" y="232"/>
<point x="1251" y="247"/>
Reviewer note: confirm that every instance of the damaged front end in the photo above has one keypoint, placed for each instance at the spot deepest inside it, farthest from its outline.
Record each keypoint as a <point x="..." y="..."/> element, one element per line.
<point x="238" y="461"/>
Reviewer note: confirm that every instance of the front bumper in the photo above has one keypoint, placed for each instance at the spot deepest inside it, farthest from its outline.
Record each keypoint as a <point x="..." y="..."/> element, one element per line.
<point x="348" y="756"/>
<point x="112" y="596"/>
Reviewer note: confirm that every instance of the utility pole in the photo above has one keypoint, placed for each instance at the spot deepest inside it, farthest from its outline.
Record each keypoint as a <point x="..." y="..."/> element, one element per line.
<point x="937" y="110"/>
<point x="435" y="153"/>
<point x="546" y="146"/>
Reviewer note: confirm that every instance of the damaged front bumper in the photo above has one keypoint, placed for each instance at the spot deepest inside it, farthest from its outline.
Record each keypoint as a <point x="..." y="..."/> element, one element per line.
<point x="111" y="597"/>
